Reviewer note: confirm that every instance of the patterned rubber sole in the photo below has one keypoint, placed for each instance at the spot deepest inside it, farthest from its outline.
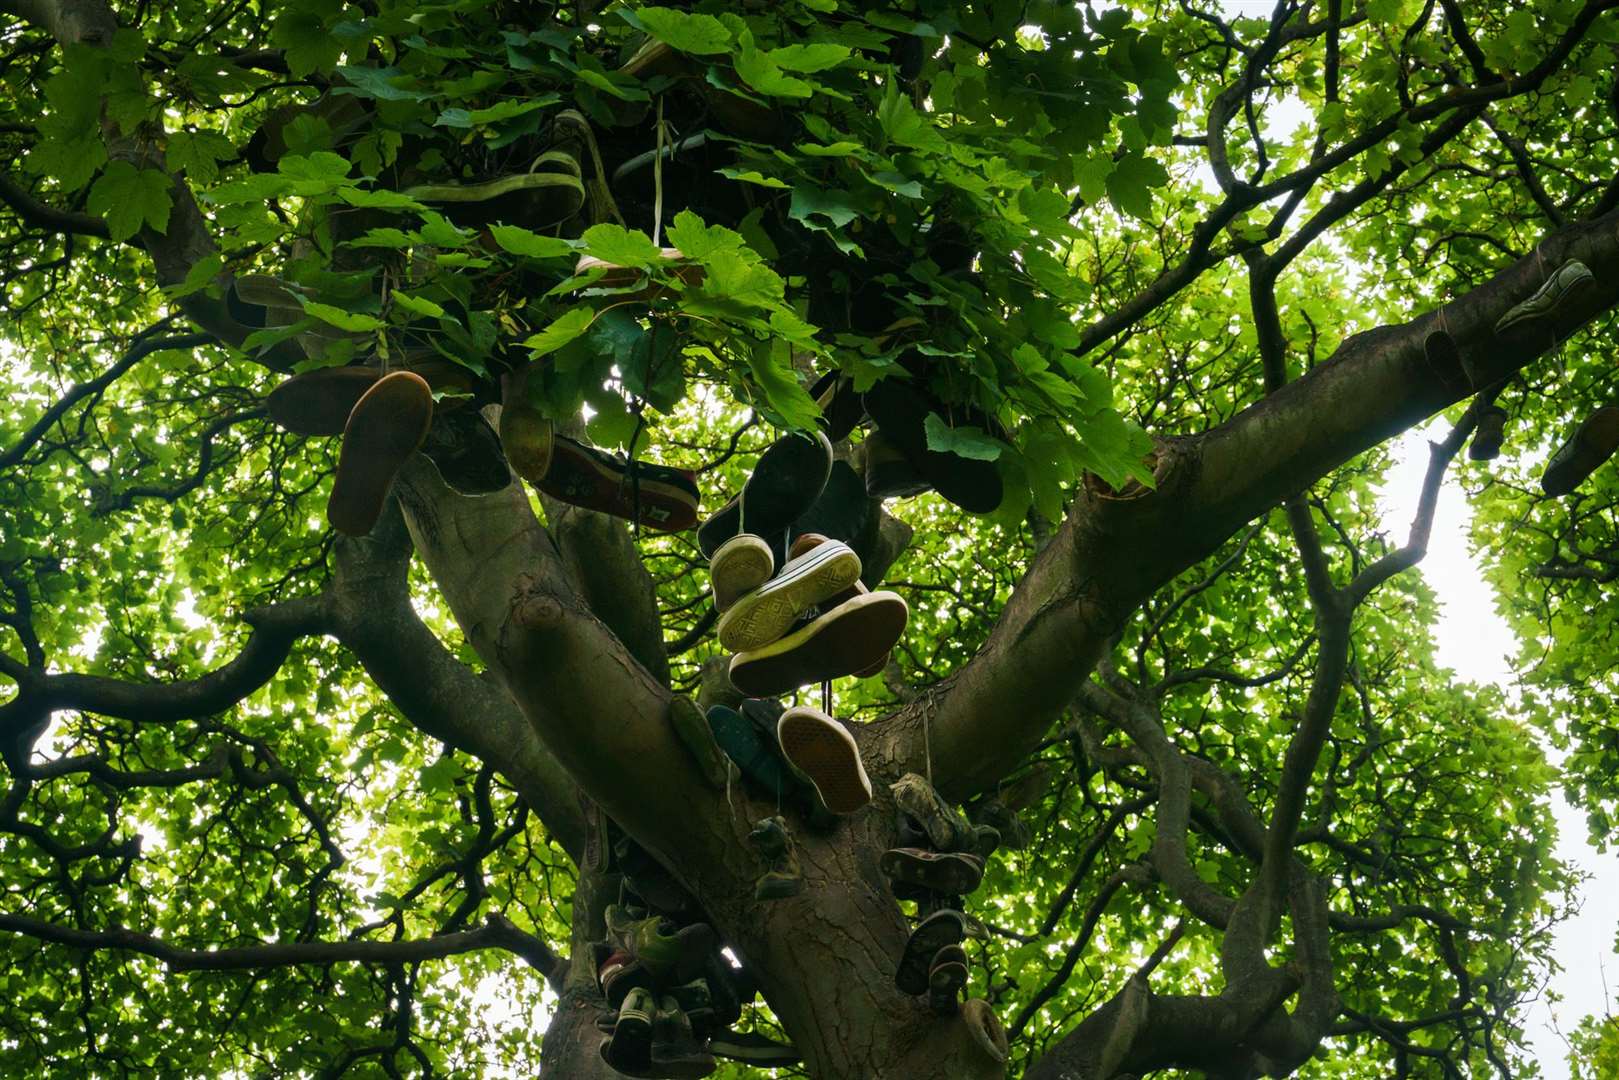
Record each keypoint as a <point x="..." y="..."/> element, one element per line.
<point x="817" y="746"/>
<point x="742" y="564"/>
<point x="845" y="640"/>
<point x="769" y="612"/>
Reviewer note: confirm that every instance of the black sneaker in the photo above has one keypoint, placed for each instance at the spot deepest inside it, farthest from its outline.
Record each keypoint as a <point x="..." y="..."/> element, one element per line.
<point x="787" y="480"/>
<point x="1592" y="445"/>
<point x="931" y="934"/>
<point x="901" y="412"/>
<point x="466" y="452"/>
<point x="1489" y="435"/>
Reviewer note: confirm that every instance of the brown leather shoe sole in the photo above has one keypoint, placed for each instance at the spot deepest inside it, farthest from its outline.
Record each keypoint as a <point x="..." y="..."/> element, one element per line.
<point x="386" y="426"/>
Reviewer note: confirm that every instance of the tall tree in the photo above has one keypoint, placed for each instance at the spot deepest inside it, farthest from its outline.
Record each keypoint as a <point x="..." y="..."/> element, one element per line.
<point x="282" y="801"/>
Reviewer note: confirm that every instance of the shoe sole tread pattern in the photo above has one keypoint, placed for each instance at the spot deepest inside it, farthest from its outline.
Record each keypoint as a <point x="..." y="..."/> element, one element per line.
<point x="945" y="982"/>
<point x="931" y="934"/>
<point x="821" y="750"/>
<point x="388" y="424"/>
<point x="740" y="565"/>
<point x="845" y="640"/>
<point x="768" y="613"/>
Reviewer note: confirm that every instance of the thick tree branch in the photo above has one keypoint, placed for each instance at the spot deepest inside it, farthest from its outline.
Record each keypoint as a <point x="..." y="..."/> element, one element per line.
<point x="1110" y="553"/>
<point x="47" y="217"/>
<point x="497" y="933"/>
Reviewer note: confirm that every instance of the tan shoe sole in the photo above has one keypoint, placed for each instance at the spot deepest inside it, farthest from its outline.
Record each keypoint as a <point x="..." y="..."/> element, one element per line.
<point x="824" y="752"/>
<point x="387" y="425"/>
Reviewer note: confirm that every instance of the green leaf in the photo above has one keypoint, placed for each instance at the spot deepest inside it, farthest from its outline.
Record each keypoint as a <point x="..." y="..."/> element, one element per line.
<point x="199" y="277"/>
<point x="620" y="246"/>
<point x="813" y="201"/>
<point x="532" y="245"/>
<point x="505" y="110"/>
<point x="129" y="198"/>
<point x="762" y="73"/>
<point x="752" y="176"/>
<point x="198" y="154"/>
<point x="965" y="441"/>
<point x="416" y="305"/>
<point x="377" y="200"/>
<point x="385" y="238"/>
<point x="355" y="321"/>
<point x="1131" y="182"/>
<point x="383" y="84"/>
<point x="905" y="125"/>
<point x="306" y="43"/>
<point x="808" y="59"/>
<point x="781" y="387"/>
<point x="690" y="33"/>
<point x="701" y="242"/>
<point x="569" y="325"/>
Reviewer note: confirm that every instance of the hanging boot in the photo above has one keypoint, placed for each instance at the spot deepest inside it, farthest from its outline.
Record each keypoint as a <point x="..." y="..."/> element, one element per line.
<point x="775" y="843"/>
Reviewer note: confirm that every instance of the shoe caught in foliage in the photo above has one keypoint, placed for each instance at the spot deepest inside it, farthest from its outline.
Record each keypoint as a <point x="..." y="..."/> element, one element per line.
<point x="526" y="436"/>
<point x="657" y="496"/>
<point x="387" y="425"/>
<point x="1567" y="280"/>
<point x="786" y="481"/>
<point x="901" y="413"/>
<point x="769" y="612"/>
<point x="319" y="402"/>
<point x="1449" y="364"/>
<point x="740" y="565"/>
<point x="853" y="637"/>
<point x="1592" y="445"/>
<point x="822" y="751"/>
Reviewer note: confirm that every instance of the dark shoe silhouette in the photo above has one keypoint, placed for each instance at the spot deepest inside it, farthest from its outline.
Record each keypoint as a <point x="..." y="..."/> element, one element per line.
<point x="930" y="935"/>
<point x="901" y="414"/>
<point x="1489" y="435"/>
<point x="955" y="873"/>
<point x="466" y="452"/>
<point x="1593" y="443"/>
<point x="785" y="483"/>
<point x="946" y="978"/>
